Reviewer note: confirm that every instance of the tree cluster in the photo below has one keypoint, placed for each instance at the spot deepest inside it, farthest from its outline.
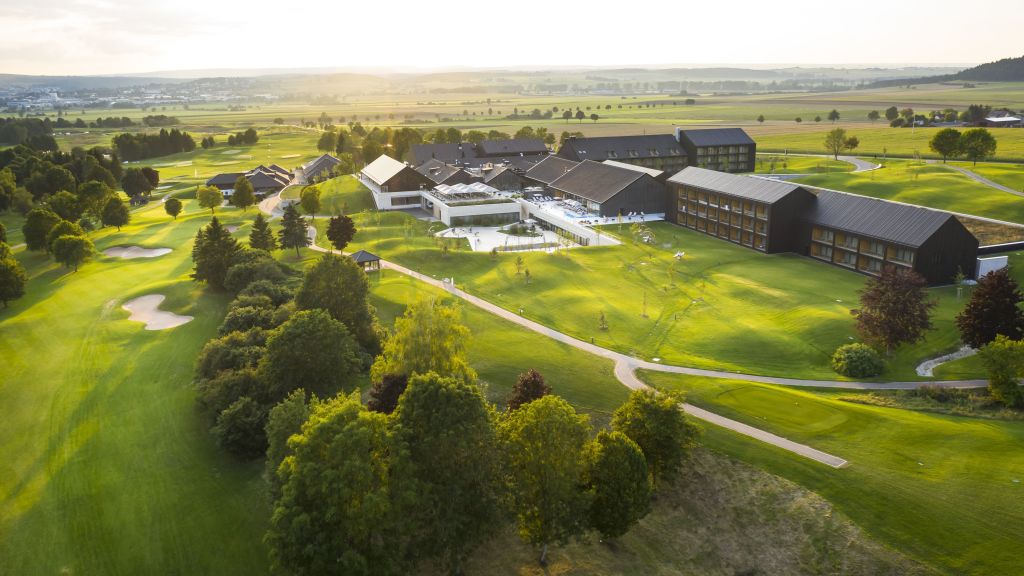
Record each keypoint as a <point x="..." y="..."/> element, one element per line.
<point x="975" y="144"/>
<point x="140" y="146"/>
<point x="246" y="138"/>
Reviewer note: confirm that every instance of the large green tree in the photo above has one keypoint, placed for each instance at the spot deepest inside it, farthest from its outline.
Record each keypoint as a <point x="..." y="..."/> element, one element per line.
<point x="66" y="205"/>
<point x="429" y="337"/>
<point x="72" y="251"/>
<point x="977" y="144"/>
<point x="115" y="213"/>
<point x="38" y="223"/>
<point x="894" y="308"/>
<point x="310" y="200"/>
<point x="618" y="478"/>
<point x="311" y="351"/>
<point x="837" y="142"/>
<point x="946" y="143"/>
<point x="262" y="237"/>
<point x="243" y="195"/>
<point x="135" y="183"/>
<point x="173" y="207"/>
<point x="209" y="197"/>
<point x="338" y="285"/>
<point x="63" y="228"/>
<point x="448" y="428"/>
<point x="284" y="421"/>
<point x="213" y="254"/>
<point x="340" y="231"/>
<point x="656" y="422"/>
<point x="994" y="309"/>
<point x="93" y="197"/>
<point x="344" y="496"/>
<point x="293" y="230"/>
<point x="543" y="446"/>
<point x="12" y="279"/>
<point x="1004" y="361"/>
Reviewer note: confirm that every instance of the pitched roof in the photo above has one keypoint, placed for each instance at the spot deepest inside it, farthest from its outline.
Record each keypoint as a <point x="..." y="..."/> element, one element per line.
<point x="654" y="173"/>
<point x="717" y="137"/>
<point x="492" y="174"/>
<point x="225" y="179"/>
<point x="759" y="189"/>
<point x="624" y="147"/>
<point x="362" y="257"/>
<point x="880" y="219"/>
<point x="321" y="164"/>
<point x="264" y="179"/>
<point x="550" y="169"/>
<point x="437" y="171"/>
<point x="383" y="169"/>
<point x="279" y="169"/>
<point x="595" y="181"/>
<point x="512" y="147"/>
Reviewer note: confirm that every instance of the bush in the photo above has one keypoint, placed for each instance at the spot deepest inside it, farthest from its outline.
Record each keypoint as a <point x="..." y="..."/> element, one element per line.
<point x="278" y="294"/>
<point x="243" y="318"/>
<point x="239" y="429"/>
<point x="857" y="361"/>
<point x="252" y="266"/>
<point x="232" y="352"/>
<point x="216" y="394"/>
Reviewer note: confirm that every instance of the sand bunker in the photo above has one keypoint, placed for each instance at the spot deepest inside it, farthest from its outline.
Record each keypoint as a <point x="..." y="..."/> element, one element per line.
<point x="231" y="229"/>
<point x="226" y="163"/>
<point x="130" y="252"/>
<point x="231" y="151"/>
<point x="145" y="309"/>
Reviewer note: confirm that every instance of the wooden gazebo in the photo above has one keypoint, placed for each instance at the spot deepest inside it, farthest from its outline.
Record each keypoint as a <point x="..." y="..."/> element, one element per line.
<point x="367" y="260"/>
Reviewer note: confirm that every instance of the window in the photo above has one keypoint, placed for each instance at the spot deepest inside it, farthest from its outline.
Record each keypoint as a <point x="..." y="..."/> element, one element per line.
<point x="901" y="255"/>
<point x="613" y="154"/>
<point x="821" y="251"/>
<point x="844" y="258"/>
<point x="823" y="235"/>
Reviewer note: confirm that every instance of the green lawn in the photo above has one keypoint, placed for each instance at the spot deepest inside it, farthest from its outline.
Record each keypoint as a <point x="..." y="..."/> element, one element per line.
<point x="930" y="185"/>
<point x="944" y="489"/>
<point x="1010" y="175"/>
<point x="342" y="195"/>
<point x="105" y="465"/>
<point x="723" y="306"/>
<point x="782" y="164"/>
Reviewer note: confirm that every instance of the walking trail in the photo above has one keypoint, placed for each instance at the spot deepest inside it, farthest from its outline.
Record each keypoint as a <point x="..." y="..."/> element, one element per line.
<point x="980" y="179"/>
<point x="626" y="367"/>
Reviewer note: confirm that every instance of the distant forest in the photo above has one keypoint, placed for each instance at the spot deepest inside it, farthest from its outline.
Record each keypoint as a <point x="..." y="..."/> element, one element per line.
<point x="1005" y="70"/>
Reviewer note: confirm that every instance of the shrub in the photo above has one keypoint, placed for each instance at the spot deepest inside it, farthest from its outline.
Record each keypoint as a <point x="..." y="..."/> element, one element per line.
<point x="243" y="318"/>
<point x="857" y="361"/>
<point x="239" y="429"/>
<point x="278" y="294"/>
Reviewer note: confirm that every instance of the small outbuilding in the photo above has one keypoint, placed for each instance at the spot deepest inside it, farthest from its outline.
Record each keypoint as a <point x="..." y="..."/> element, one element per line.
<point x="366" y="260"/>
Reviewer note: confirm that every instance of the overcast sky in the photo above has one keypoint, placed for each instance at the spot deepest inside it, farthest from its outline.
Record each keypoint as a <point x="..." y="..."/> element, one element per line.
<point x="120" y="36"/>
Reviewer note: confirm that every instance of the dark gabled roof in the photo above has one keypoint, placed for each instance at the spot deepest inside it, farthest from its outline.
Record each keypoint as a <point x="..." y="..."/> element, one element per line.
<point x="759" y="189"/>
<point x="879" y="219"/>
<point x="525" y="146"/>
<point x="446" y="153"/>
<point x="717" y="137"/>
<point x="624" y="147"/>
<point x="226" y="179"/>
<point x="492" y="174"/>
<point x="362" y="257"/>
<point x="279" y="169"/>
<point x="652" y="172"/>
<point x="321" y="164"/>
<point x="596" y="181"/>
<point x="550" y="169"/>
<point x="437" y="171"/>
<point x="261" y="180"/>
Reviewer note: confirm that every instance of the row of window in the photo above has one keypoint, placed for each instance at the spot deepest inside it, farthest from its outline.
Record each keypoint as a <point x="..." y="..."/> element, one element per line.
<point x="748" y="237"/>
<point x="864" y="246"/>
<point x="722" y="150"/>
<point x="633" y="153"/>
<point x="694" y="199"/>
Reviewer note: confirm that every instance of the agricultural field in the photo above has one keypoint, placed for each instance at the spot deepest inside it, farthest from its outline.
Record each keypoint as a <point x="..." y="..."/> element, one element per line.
<point x="942" y="488"/>
<point x="932" y="185"/>
<point x="735" y="309"/>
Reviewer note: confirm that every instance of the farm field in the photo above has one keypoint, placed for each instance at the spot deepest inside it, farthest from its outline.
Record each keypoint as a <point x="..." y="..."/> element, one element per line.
<point x="932" y="185"/>
<point x="722" y="307"/>
<point x="942" y="488"/>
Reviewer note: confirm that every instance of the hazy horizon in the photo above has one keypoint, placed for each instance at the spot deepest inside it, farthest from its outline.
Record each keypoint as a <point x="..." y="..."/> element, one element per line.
<point x="113" y="37"/>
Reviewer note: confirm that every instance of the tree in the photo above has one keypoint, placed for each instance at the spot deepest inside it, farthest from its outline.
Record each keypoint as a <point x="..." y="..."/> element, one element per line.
<point x="798" y="119"/>
<point x="293" y="230"/>
<point x="66" y="205"/>
<point x="284" y="421"/>
<point x="817" y="118"/>
<point x="312" y="351"/>
<point x="892" y="113"/>
<point x="837" y="142"/>
<point x="529" y="386"/>
<point x="857" y="360"/>
<point x="209" y="197"/>
<point x="620" y="484"/>
<point x="328" y="142"/>
<point x="594" y="117"/>
<point x="261" y="237"/>
<point x="567" y="115"/>
<point x="994" y="309"/>
<point x="833" y="115"/>
<point x="12" y="279"/>
<point x="213" y="254"/>
<point x="134" y="183"/>
<point x="452" y="446"/>
<point x="239" y="429"/>
<point x="93" y="196"/>
<point x="72" y="251"/>
<point x="657" y="424"/>
<point x="543" y="445"/>
<point x="63" y="228"/>
<point x="244" y="195"/>
<point x="8" y="185"/>
<point x="310" y="200"/>
<point x="977" y="144"/>
<point x="874" y="115"/>
<point x="173" y="207"/>
<point x="428" y="338"/>
<point x="760" y="119"/>
<point x="946" y="142"/>
<point x="3" y="233"/>
<point x="894" y="308"/>
<point x="384" y="394"/>
<point x="580" y="115"/>
<point x="344" y="496"/>
<point x="115" y="213"/>
<point x="38" y="223"/>
<point x="340" y="231"/>
<point x="1003" y="359"/>
<point x="338" y="285"/>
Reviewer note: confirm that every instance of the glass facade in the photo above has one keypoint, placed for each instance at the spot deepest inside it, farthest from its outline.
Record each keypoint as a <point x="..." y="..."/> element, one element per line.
<point x="734" y="219"/>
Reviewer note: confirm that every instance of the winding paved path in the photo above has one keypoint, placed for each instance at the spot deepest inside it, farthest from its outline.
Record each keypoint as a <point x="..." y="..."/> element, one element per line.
<point x="980" y="179"/>
<point x="626" y="366"/>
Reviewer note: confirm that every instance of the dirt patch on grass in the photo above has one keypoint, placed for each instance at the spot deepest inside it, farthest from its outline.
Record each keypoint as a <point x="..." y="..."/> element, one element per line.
<point x="146" y="309"/>
<point x="722" y="518"/>
<point x="132" y="252"/>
